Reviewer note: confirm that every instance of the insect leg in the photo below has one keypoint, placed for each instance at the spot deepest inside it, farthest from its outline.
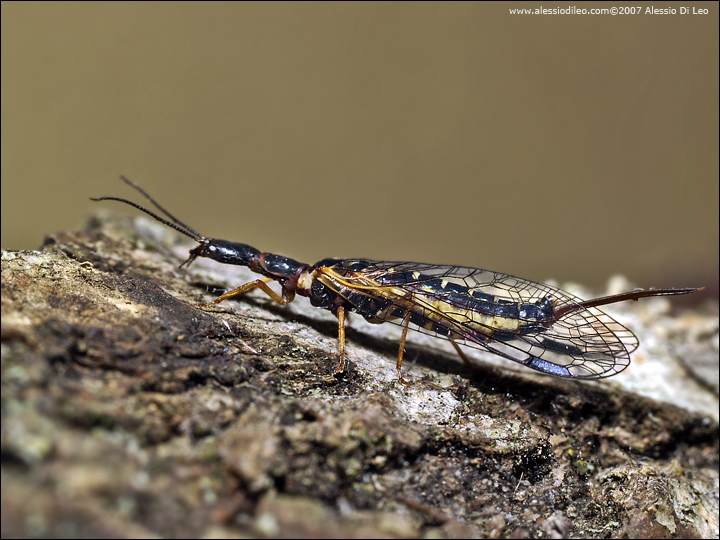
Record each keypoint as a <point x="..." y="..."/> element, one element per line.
<point x="406" y="322"/>
<point x="460" y="352"/>
<point x="341" y="339"/>
<point x="261" y="284"/>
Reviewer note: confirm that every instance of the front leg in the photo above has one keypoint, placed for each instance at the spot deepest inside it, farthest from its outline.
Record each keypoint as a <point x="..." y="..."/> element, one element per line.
<point x="286" y="298"/>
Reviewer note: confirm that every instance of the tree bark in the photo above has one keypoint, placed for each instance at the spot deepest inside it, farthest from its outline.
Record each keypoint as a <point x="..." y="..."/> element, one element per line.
<point x="127" y="411"/>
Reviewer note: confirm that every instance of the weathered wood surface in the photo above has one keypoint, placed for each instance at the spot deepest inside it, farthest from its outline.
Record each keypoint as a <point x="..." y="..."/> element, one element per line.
<point x="127" y="411"/>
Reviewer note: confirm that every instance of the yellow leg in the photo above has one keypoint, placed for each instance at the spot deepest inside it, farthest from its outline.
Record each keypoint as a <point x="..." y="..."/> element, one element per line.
<point x="406" y="322"/>
<point x="341" y="339"/>
<point x="465" y="359"/>
<point x="286" y="298"/>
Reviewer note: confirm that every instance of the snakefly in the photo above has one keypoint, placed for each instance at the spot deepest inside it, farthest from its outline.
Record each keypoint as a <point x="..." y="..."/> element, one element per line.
<point x="534" y="324"/>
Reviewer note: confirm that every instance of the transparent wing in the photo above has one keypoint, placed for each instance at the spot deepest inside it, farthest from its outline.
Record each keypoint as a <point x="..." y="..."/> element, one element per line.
<point x="509" y="316"/>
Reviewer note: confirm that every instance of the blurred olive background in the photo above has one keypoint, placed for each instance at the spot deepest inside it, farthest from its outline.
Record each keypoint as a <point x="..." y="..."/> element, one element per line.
<point x="558" y="146"/>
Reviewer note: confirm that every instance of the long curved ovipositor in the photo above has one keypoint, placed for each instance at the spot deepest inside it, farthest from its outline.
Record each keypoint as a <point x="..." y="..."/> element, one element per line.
<point x="535" y="324"/>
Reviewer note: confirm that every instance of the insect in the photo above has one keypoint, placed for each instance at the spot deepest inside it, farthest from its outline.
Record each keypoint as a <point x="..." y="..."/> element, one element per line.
<point x="537" y="325"/>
